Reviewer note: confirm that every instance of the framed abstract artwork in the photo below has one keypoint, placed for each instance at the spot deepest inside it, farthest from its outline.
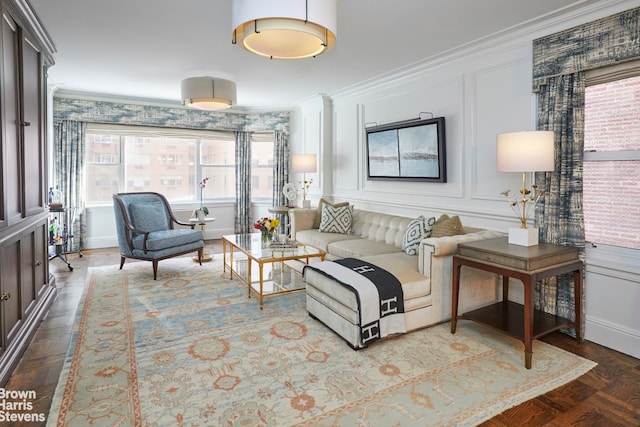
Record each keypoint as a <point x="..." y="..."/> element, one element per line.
<point x="413" y="150"/>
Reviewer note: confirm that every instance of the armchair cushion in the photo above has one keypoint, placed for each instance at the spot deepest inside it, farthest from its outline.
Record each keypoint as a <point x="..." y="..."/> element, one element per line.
<point x="149" y="217"/>
<point x="163" y="239"/>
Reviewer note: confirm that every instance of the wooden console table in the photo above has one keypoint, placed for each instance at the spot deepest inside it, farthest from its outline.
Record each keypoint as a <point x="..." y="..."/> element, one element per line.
<point x="529" y="264"/>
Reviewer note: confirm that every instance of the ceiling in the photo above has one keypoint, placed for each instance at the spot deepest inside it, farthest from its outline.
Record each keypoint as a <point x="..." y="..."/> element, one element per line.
<point x="144" y="48"/>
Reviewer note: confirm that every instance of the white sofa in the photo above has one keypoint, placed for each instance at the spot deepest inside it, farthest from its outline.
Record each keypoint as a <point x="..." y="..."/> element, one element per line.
<point x="377" y="239"/>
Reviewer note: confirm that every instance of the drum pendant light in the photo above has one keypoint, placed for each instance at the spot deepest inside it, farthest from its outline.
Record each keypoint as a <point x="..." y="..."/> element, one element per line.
<point x="278" y="29"/>
<point x="208" y="93"/>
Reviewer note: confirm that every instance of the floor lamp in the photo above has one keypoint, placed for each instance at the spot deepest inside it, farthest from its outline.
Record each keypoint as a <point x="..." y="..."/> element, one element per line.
<point x="304" y="164"/>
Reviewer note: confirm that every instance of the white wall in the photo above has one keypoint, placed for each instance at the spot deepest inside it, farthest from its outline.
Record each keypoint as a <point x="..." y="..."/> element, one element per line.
<point x="482" y="90"/>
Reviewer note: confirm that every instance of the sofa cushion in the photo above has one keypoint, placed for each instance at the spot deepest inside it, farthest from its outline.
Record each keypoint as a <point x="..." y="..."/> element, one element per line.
<point x="336" y="219"/>
<point x="418" y="229"/>
<point x="447" y="226"/>
<point x="321" y="240"/>
<point x="405" y="268"/>
<point x="386" y="228"/>
<point x="149" y="217"/>
<point x="321" y="203"/>
<point x="357" y="248"/>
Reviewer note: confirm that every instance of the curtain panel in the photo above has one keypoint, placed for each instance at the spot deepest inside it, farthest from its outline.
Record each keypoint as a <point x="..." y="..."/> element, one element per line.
<point x="280" y="173"/>
<point x="560" y="62"/>
<point x="243" y="217"/>
<point x="69" y="176"/>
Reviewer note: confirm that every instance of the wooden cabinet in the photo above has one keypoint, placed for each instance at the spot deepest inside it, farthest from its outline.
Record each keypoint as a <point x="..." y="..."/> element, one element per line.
<point x="25" y="292"/>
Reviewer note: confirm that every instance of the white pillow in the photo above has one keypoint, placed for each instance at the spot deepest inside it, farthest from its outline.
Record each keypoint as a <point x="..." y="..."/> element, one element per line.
<point x="418" y="229"/>
<point x="336" y="219"/>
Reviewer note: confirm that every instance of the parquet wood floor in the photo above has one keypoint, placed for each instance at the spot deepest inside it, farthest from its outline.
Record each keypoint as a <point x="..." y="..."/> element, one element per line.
<point x="608" y="395"/>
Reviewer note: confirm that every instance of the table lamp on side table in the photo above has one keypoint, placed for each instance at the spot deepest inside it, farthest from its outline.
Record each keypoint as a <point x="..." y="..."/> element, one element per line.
<point x="304" y="163"/>
<point x="525" y="152"/>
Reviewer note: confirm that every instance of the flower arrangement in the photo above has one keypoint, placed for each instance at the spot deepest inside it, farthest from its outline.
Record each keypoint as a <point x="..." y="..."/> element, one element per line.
<point x="522" y="205"/>
<point x="203" y="185"/>
<point x="266" y="225"/>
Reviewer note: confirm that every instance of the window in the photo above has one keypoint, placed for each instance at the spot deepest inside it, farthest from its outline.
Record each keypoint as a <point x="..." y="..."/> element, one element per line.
<point x="612" y="163"/>
<point x="171" y="162"/>
<point x="262" y="166"/>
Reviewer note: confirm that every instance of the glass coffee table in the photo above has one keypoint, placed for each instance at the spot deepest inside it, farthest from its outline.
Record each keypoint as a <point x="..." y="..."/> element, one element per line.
<point x="275" y="275"/>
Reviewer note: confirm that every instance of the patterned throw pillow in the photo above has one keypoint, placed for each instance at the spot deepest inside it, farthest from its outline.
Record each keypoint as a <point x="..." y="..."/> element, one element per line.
<point x="418" y="229"/>
<point x="447" y="226"/>
<point x="321" y="203"/>
<point x="336" y="219"/>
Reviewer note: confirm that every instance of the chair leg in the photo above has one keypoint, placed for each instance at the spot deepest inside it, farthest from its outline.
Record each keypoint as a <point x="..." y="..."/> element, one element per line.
<point x="200" y="255"/>
<point x="155" y="269"/>
<point x="122" y="262"/>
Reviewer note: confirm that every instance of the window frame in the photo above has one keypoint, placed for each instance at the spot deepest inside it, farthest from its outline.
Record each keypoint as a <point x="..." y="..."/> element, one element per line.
<point x="123" y="131"/>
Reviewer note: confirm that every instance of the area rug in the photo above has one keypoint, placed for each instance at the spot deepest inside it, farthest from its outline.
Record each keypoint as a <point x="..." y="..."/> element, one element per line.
<point x="191" y="349"/>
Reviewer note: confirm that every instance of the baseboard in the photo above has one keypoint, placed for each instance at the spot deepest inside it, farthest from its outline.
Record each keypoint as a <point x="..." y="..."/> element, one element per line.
<point x="613" y="336"/>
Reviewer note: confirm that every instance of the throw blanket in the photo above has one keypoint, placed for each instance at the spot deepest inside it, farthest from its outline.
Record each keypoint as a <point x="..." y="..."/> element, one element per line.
<point x="378" y="292"/>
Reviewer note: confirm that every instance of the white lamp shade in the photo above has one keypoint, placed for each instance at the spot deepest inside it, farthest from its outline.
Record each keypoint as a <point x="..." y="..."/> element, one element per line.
<point x="284" y="29"/>
<point x="303" y="163"/>
<point x="525" y="151"/>
<point x="208" y="93"/>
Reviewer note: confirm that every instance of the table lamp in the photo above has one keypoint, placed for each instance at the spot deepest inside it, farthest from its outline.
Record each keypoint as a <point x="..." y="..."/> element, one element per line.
<point x="304" y="163"/>
<point x="525" y="152"/>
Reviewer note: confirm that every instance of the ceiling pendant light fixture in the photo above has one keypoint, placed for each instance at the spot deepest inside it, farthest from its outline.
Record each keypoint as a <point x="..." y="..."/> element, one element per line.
<point x="278" y="29"/>
<point x="208" y="93"/>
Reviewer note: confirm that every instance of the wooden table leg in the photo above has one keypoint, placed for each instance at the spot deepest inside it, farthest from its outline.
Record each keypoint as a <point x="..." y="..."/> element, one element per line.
<point x="528" y="321"/>
<point x="261" y="277"/>
<point x="577" y="292"/>
<point x="455" y="293"/>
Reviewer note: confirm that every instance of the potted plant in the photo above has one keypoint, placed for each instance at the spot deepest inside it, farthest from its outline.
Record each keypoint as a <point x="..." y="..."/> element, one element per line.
<point x="202" y="211"/>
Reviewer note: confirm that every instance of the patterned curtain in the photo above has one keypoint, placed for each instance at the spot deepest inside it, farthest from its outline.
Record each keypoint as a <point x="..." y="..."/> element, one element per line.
<point x="280" y="172"/>
<point x="243" y="221"/>
<point x="560" y="61"/>
<point x="69" y="176"/>
<point x="559" y="214"/>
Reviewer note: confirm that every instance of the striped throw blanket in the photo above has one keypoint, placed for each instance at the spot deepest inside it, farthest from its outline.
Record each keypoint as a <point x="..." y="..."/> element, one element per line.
<point x="378" y="292"/>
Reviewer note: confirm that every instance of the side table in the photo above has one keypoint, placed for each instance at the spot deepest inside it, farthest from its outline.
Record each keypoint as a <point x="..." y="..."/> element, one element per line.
<point x="202" y="224"/>
<point x="529" y="264"/>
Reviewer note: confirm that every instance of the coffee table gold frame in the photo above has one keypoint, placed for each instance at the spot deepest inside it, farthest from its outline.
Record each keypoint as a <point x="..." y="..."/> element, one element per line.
<point x="250" y="246"/>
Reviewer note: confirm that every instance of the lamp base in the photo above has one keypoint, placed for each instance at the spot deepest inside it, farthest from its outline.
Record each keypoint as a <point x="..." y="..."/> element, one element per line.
<point x="523" y="236"/>
<point x="306" y="204"/>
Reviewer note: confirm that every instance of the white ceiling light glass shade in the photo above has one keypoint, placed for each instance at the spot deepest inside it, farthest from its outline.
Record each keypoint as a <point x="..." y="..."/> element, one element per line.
<point x="208" y="93"/>
<point x="284" y="29"/>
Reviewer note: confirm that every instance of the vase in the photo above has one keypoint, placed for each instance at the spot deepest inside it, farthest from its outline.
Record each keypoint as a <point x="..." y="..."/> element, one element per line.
<point x="200" y="214"/>
<point x="266" y="238"/>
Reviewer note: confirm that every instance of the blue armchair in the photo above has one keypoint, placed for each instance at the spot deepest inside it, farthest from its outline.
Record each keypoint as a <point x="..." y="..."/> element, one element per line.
<point x="145" y="228"/>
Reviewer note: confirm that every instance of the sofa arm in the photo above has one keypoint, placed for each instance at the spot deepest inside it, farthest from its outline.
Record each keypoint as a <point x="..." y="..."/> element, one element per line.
<point x="448" y="245"/>
<point x="436" y="262"/>
<point x="301" y="219"/>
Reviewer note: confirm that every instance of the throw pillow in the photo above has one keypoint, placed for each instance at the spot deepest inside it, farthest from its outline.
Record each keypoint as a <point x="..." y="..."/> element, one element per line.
<point x="336" y="219"/>
<point x="321" y="203"/>
<point x="447" y="226"/>
<point x="418" y="229"/>
<point x="149" y="217"/>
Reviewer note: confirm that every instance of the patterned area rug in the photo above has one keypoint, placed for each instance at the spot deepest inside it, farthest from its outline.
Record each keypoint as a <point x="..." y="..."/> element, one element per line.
<point x="191" y="349"/>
